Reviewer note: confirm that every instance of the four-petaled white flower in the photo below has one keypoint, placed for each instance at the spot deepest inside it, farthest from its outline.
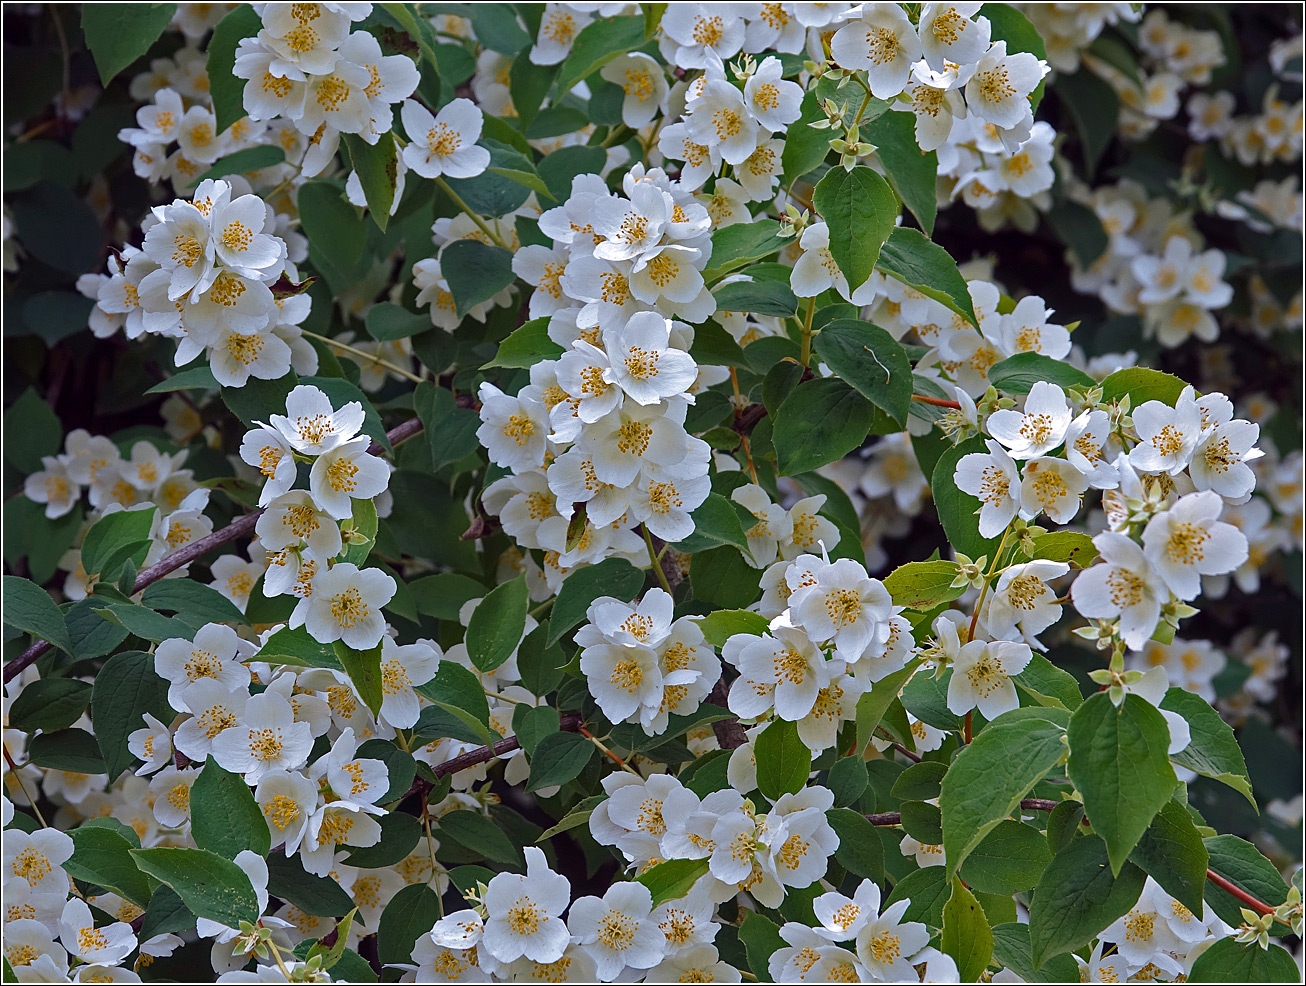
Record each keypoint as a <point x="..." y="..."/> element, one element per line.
<point x="1037" y="430"/>
<point x="345" y="605"/>
<point x="1122" y="585"/>
<point x="444" y="144"/>
<point x="525" y="912"/>
<point x="312" y="426"/>
<point x="616" y="929"/>
<point x="981" y="675"/>
<point x="346" y="473"/>
<point x="992" y="477"/>
<point x="1189" y="540"/>
<point x="266" y="738"/>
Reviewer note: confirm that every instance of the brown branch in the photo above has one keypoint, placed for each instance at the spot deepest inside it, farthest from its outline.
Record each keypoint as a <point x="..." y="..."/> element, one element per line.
<point x="895" y="818"/>
<point x="240" y="527"/>
<point x="570" y="723"/>
<point x="729" y="733"/>
<point x="750" y="416"/>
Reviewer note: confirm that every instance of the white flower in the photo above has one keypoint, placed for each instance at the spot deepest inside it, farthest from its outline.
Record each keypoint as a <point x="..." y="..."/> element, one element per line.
<point x="925" y="854"/>
<point x="936" y="103"/>
<point x="800" y="839"/>
<point x="697" y="35"/>
<point x="817" y="269"/>
<point x="616" y="930"/>
<point x="630" y="228"/>
<point x="1143" y="936"/>
<point x="701" y="963"/>
<point x="182" y="245"/>
<point x="239" y="241"/>
<point x="773" y="524"/>
<point x="31" y="950"/>
<point x="844" y="605"/>
<point x="444" y="144"/>
<point x="1189" y="540"/>
<point x="1162" y="278"/>
<point x="266" y="448"/>
<point x="999" y="90"/>
<point x="266" y="738"/>
<point x="981" y="676"/>
<point x="1026" y="328"/>
<point x="773" y="102"/>
<point x="1052" y="486"/>
<point x="643" y="83"/>
<point x="948" y="34"/>
<point x="622" y="441"/>
<point x="1022" y="599"/>
<point x="843" y="917"/>
<point x="312" y="426"/>
<point x="346" y="603"/>
<point x="1085" y="441"/>
<point x="151" y="745"/>
<point x="52" y="486"/>
<point x="347" y="473"/>
<point x="215" y="653"/>
<point x="37" y="858"/>
<point x="1167" y="436"/>
<point x="990" y="477"/>
<point x="885" y="946"/>
<point x="403" y="668"/>
<point x="104" y="946"/>
<point x="1037" y="430"/>
<point x="170" y="790"/>
<point x="810" y="529"/>
<point x="513" y="429"/>
<point x="643" y="364"/>
<point x="1123" y="586"/>
<point x="287" y="800"/>
<point x="524" y="913"/>
<point x="294" y="519"/>
<point x="663" y="500"/>
<point x="214" y="707"/>
<point x="1220" y="460"/>
<point x="881" y="41"/>
<point x="786" y="670"/>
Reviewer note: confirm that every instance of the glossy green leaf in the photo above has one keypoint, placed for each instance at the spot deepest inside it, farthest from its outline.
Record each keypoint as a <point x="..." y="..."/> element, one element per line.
<point x="861" y="210"/>
<point x="118" y="34"/>
<point x="1077" y="898"/>
<point x="210" y="885"/>
<point x="966" y="933"/>
<point x="821" y="420"/>
<point x="910" y="257"/>
<point x="783" y="760"/>
<point x="495" y="628"/>
<point x="224" y="816"/>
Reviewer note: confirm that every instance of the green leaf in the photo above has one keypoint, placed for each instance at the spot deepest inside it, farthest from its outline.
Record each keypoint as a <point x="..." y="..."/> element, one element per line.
<point x="244" y="161"/>
<point x="113" y="532"/>
<point x="410" y="914"/>
<point x="472" y="830"/>
<point x="1212" y="750"/>
<point x="211" y="886"/>
<point x="558" y="758"/>
<point x="525" y="346"/>
<point x="408" y="20"/>
<point x="1011" y="948"/>
<point x="363" y="524"/>
<point x="364" y="670"/>
<point x="716" y="522"/>
<point x="741" y="244"/>
<point x="763" y="297"/>
<point x="118" y="34"/>
<point x="959" y="512"/>
<point x="331" y="224"/>
<point x="144" y="622"/>
<point x="597" y="44"/>
<point x="919" y="782"/>
<point x="559" y="168"/>
<point x="783" y="760"/>
<point x="923" y="585"/>
<point x="1094" y="108"/>
<point x="912" y="172"/>
<point x="928" y="890"/>
<point x="614" y="577"/>
<point x="921" y="822"/>
<point x="721" y="578"/>
<point x="166" y="914"/>
<point x="860" y="850"/>
<point x="1068" y="546"/>
<point x="991" y="774"/>
<point x="1229" y="962"/>
<point x="539" y="662"/>
<point x="672" y="878"/>
<point x="476" y="272"/>
<point x="125" y="689"/>
<point x="912" y="258"/>
<point x="722" y="624"/>
<point x="848" y="779"/>
<point x="194" y="602"/>
<point x="1142" y="385"/>
<point x="31" y="430"/>
<point x="387" y="321"/>
<point x="1171" y="852"/>
<point x="224" y="817"/>
<point x="400" y="834"/>
<point x="29" y="608"/>
<point x="1118" y="763"/>
<point x="804" y="147"/>
<point x="761" y="938"/>
<point x="320" y="896"/>
<point x="293" y="645"/>
<point x="378" y="169"/>
<point x="873" y="705"/>
<point x="578" y="815"/>
<point x="1017" y="374"/>
<point x="226" y="89"/>
<point x="1078" y="897"/>
<point x="443" y="594"/>
<point x="1011" y="858"/>
<point x="49" y="704"/>
<point x="871" y="361"/>
<point x="1048" y="684"/>
<point x="103" y="856"/>
<point x="1243" y="865"/>
<point x="495" y="628"/>
<point x="860" y="209"/>
<point x="398" y="764"/>
<point x="966" y="933"/>
<point x="454" y="685"/>
<point x="450" y="430"/>
<point x="821" y="420"/>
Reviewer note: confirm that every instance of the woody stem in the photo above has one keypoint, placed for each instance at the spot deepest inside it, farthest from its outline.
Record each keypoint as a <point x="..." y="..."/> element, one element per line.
<point x="657" y="564"/>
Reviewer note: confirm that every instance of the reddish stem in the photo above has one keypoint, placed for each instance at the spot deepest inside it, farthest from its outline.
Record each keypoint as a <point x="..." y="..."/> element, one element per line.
<point x="1242" y="895"/>
<point x="936" y="401"/>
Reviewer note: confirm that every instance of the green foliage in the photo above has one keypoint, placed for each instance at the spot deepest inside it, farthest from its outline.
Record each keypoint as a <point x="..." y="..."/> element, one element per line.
<point x="862" y="203"/>
<point x="210" y="885"/>
<point x="225" y="819"/>
<point x="118" y="34"/>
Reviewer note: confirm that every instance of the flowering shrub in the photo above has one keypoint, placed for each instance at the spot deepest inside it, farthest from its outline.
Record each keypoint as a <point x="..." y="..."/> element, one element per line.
<point x="664" y="492"/>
